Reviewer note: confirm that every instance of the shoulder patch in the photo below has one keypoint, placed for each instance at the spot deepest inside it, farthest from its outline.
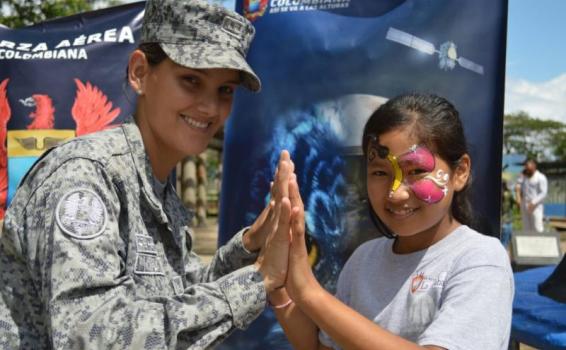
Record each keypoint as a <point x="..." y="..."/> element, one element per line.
<point x="81" y="214"/>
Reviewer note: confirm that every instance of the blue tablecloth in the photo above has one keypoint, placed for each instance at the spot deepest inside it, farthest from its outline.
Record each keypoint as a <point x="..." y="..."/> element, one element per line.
<point x="537" y="320"/>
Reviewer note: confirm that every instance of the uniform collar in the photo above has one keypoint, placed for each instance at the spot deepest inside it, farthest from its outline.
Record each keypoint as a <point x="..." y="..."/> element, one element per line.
<point x="145" y="175"/>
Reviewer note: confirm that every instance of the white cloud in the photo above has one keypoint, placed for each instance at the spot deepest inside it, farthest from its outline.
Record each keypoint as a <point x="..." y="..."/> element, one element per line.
<point x="542" y="100"/>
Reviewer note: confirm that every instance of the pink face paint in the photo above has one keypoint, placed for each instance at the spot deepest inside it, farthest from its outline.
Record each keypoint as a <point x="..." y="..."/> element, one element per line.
<point x="428" y="191"/>
<point x="418" y="157"/>
<point x="427" y="187"/>
<point x="430" y="188"/>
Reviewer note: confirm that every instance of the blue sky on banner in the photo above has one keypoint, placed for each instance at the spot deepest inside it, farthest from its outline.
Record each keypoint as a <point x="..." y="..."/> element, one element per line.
<point x="536" y="58"/>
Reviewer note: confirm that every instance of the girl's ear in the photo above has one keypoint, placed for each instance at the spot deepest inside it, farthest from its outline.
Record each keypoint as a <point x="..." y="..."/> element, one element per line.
<point x="138" y="67"/>
<point x="462" y="172"/>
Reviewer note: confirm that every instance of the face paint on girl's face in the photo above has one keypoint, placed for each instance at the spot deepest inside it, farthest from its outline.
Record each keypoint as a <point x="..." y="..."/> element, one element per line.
<point x="415" y="169"/>
<point x="432" y="188"/>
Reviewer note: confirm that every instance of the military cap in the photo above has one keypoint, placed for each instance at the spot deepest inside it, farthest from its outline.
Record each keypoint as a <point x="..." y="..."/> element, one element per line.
<point x="196" y="34"/>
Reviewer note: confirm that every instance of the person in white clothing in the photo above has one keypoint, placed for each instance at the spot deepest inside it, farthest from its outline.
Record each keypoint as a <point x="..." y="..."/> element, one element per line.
<point x="531" y="190"/>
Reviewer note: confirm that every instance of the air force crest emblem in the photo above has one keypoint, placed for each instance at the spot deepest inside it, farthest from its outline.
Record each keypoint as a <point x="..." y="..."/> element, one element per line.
<point x="81" y="214"/>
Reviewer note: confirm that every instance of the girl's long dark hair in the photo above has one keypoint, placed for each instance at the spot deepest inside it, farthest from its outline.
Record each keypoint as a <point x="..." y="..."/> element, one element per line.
<point x="436" y="123"/>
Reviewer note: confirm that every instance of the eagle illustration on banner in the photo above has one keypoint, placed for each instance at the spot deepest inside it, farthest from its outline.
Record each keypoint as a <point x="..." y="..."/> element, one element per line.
<point x="5" y="114"/>
<point x="19" y="149"/>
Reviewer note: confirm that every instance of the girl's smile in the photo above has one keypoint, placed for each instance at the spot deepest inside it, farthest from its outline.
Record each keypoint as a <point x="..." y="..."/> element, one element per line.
<point x="402" y="212"/>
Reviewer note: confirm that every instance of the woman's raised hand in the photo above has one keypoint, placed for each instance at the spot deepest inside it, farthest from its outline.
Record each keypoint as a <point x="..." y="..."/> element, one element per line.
<point x="254" y="239"/>
<point x="274" y="226"/>
<point x="300" y="278"/>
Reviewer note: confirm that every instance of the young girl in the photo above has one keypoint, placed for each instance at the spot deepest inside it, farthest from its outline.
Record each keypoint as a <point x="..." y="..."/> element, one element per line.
<point x="437" y="284"/>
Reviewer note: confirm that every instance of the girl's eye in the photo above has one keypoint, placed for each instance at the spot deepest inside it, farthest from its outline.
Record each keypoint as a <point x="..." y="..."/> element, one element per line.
<point x="416" y="172"/>
<point x="378" y="173"/>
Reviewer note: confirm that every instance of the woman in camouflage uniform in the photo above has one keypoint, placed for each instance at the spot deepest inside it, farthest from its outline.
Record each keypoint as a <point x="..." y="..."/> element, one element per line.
<point x="96" y="251"/>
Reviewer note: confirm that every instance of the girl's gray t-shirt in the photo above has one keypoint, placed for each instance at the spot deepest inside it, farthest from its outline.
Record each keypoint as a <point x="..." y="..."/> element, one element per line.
<point x="456" y="294"/>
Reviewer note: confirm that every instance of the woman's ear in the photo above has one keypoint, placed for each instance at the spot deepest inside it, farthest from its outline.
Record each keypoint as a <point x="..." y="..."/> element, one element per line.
<point x="138" y="68"/>
<point x="462" y="172"/>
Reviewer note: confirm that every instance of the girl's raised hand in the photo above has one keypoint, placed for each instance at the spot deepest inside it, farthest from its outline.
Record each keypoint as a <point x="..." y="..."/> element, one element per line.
<point x="300" y="279"/>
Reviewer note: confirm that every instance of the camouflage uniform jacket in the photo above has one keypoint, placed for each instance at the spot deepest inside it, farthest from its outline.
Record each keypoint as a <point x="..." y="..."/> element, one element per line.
<point x="91" y="258"/>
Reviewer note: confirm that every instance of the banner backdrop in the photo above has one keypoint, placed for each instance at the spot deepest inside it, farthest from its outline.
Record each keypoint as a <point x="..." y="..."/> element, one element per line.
<point x="325" y="66"/>
<point x="62" y="79"/>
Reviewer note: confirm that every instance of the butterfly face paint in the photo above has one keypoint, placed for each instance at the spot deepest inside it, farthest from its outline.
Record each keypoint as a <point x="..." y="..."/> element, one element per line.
<point x="415" y="169"/>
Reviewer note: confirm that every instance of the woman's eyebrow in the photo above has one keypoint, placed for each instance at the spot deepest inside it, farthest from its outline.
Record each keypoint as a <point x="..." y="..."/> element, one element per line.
<point x="205" y="73"/>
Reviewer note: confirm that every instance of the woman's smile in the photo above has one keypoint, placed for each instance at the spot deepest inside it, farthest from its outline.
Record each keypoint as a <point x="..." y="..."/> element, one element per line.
<point x="196" y="124"/>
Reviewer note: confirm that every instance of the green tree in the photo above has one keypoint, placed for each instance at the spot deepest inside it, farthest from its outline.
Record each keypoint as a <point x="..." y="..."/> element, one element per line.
<point x="559" y="142"/>
<point x="20" y="13"/>
<point x="544" y="140"/>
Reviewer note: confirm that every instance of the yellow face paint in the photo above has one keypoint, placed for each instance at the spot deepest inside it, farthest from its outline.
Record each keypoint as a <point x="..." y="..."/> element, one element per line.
<point x="398" y="174"/>
<point x="377" y="150"/>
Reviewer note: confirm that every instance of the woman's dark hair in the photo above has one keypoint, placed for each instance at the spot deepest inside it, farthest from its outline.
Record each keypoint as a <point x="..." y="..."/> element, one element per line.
<point x="435" y="123"/>
<point x="153" y="53"/>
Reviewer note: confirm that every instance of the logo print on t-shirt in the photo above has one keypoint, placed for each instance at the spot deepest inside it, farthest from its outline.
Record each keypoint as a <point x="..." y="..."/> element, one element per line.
<point x="416" y="282"/>
<point x="422" y="283"/>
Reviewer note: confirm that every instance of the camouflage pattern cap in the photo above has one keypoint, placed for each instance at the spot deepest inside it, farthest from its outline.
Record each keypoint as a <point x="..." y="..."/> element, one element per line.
<point x="196" y="34"/>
